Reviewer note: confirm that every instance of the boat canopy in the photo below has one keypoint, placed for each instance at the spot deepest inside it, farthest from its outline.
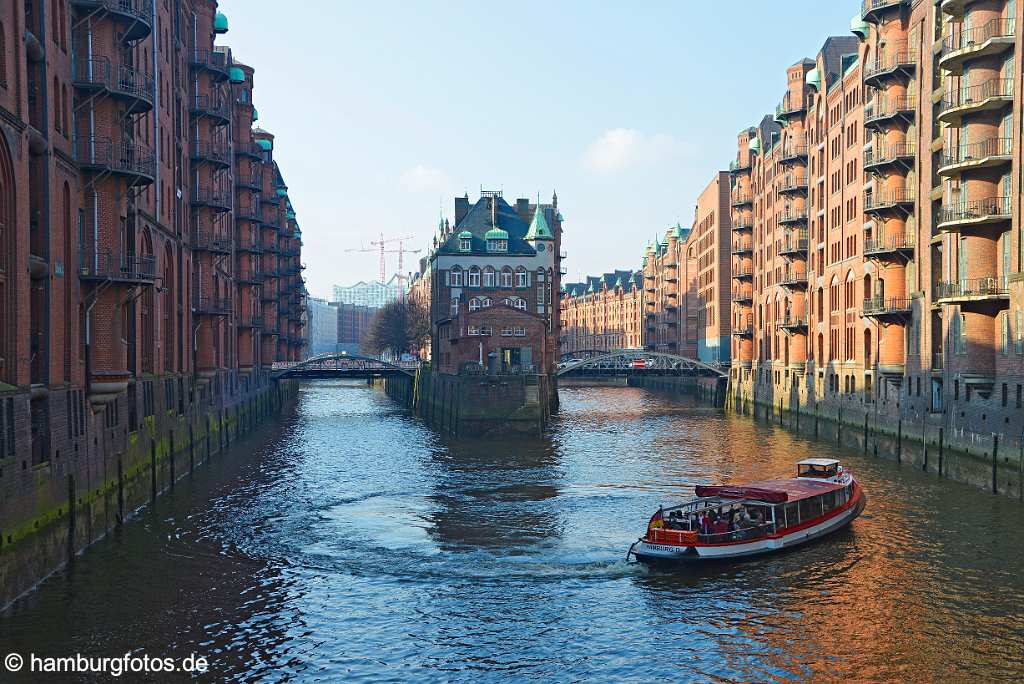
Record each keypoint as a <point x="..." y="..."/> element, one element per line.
<point x="770" y="491"/>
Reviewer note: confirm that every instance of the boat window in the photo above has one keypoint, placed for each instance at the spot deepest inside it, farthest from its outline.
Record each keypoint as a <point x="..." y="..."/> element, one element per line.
<point x="792" y="514"/>
<point x="829" y="501"/>
<point x="813" y="470"/>
<point x="809" y="508"/>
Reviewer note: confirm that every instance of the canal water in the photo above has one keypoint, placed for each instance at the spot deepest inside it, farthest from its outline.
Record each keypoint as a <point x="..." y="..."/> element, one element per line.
<point x="348" y="542"/>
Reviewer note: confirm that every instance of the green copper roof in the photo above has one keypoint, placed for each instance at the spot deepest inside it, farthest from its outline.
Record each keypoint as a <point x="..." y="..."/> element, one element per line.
<point x="265" y="144"/>
<point x="539" y="229"/>
<point x="677" y="232"/>
<point x="255" y="115"/>
<point x="496" y="234"/>
<point x="813" y="79"/>
<point x="859" y="27"/>
<point x="291" y="215"/>
<point x="754" y="145"/>
<point x="237" y="75"/>
<point x="465" y="234"/>
<point x="220" y="23"/>
<point x="282" y="192"/>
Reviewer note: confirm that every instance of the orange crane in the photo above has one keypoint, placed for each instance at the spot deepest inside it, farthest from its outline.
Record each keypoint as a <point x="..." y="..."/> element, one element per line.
<point x="378" y="246"/>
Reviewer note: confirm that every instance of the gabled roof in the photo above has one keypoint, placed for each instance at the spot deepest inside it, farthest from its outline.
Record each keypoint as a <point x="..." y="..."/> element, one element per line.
<point x="478" y="221"/>
<point x="539" y="229"/>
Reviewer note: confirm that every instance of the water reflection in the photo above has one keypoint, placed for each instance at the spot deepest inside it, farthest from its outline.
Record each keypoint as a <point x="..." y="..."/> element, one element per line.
<point x="349" y="542"/>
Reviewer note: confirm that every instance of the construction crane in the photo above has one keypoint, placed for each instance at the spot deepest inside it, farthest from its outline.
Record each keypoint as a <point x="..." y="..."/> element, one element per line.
<point x="378" y="246"/>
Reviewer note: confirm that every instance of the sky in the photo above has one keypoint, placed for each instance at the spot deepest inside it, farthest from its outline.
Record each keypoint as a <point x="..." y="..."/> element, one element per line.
<point x="383" y="112"/>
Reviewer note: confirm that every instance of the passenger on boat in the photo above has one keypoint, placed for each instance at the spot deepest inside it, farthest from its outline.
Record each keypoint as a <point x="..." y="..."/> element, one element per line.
<point x="720" y="527"/>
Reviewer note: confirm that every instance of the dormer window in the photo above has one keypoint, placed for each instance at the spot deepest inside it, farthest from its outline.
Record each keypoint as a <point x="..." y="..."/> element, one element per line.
<point x="497" y="240"/>
<point x="465" y="244"/>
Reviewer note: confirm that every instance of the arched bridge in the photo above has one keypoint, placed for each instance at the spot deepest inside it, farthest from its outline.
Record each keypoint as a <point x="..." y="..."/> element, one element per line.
<point x="342" y="365"/>
<point x="640" y="362"/>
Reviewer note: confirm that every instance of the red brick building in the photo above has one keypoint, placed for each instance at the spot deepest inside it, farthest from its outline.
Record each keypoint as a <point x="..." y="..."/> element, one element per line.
<point x="149" y="255"/>
<point x="494" y="290"/>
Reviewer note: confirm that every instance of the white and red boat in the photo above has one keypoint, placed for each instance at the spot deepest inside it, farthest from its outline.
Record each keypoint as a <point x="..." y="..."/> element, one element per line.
<point x="735" y="521"/>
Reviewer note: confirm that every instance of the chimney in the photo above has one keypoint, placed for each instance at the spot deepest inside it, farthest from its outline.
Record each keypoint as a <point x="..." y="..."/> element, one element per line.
<point x="461" y="208"/>
<point x="523" y="209"/>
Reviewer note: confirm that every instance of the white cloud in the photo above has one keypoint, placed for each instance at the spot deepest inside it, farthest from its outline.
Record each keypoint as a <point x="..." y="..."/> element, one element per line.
<point x="421" y="178"/>
<point x="620" y="148"/>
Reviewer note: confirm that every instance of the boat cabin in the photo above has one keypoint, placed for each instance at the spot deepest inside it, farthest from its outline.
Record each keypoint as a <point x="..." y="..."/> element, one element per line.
<point x="817" y="467"/>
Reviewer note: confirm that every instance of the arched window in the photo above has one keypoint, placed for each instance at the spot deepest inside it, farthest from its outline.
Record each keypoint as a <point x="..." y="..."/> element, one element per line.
<point x="506" y="277"/>
<point x="7" y="308"/>
<point x="55" y="106"/>
<point x="454" y="310"/>
<point x="455" y="277"/>
<point x="64" y="110"/>
<point x="474" y="277"/>
<point x="167" y="309"/>
<point x="485" y="302"/>
<point x="474" y="303"/>
<point x="522" y="277"/>
<point x="69" y="280"/>
<point x="489" y="280"/>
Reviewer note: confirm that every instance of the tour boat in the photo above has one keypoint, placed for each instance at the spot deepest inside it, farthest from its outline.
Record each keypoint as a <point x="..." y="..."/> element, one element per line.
<point x="735" y="521"/>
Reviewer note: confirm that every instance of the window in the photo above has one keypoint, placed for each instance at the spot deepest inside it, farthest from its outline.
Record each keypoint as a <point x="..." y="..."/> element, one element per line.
<point x="520" y="331"/>
<point x="497" y="245"/>
<point x="522" y="278"/>
<point x="1004" y="337"/>
<point x="489" y="277"/>
<point x="507" y="331"/>
<point x="485" y="302"/>
<point x="474" y="277"/>
<point x="455" y="306"/>
<point x="455" y="277"/>
<point x="506" y="278"/>
<point x="465" y="244"/>
<point x="1018" y="343"/>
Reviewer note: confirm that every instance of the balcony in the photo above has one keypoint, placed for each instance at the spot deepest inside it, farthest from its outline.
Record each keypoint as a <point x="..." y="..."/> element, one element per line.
<point x="212" y="306"/>
<point x="992" y="38"/>
<point x="212" y="197"/>
<point x="742" y="247"/>
<point x="251" y="320"/>
<point x="118" y="268"/>
<point x="890" y="248"/>
<point x="888" y="308"/>
<point x="135" y="15"/>
<point x="895" y="64"/>
<point x="212" y="106"/>
<point x="132" y="87"/>
<point x="787" y="109"/>
<point x="249" y="245"/>
<point x="793" y="183"/>
<point x="995" y="289"/>
<point x="739" y="199"/>
<point x="211" y="242"/>
<point x="980" y="155"/>
<point x="268" y="296"/>
<point x="136" y="162"/>
<point x="212" y="62"/>
<point x="793" y="324"/>
<point x="743" y="223"/>
<point x="795" y="245"/>
<point x="216" y="154"/>
<point x="743" y="273"/>
<point x="249" y="149"/>
<point x="872" y="11"/>
<point x="894" y="155"/>
<point x="743" y="330"/>
<point x="994" y="94"/>
<point x="885" y="201"/>
<point x="884" y="111"/>
<point x="743" y="296"/>
<point x="983" y="213"/>
<point x="793" y="153"/>
<point x="249" y="212"/>
<point x="249" y="277"/>
<point x="250" y="182"/>
<point x="792" y="216"/>
<point x="737" y="166"/>
<point x="794" y="280"/>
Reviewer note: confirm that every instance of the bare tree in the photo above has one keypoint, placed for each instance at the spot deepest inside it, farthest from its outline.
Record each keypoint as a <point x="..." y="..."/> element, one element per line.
<point x="399" y="326"/>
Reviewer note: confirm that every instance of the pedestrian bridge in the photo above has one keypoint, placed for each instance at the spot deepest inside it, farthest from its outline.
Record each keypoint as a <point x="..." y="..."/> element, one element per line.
<point x="341" y="365"/>
<point x="638" y="362"/>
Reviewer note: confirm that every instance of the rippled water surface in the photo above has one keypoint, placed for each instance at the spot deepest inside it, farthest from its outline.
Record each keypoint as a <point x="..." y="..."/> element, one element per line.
<point x="347" y="542"/>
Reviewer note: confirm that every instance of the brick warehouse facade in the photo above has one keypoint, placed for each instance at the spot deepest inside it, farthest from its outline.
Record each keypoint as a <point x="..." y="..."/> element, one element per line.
<point x="678" y="302"/>
<point x="876" y="249"/>
<point x="149" y="261"/>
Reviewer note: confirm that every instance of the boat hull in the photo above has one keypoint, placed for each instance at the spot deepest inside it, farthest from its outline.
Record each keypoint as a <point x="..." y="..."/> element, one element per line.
<point x="647" y="552"/>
